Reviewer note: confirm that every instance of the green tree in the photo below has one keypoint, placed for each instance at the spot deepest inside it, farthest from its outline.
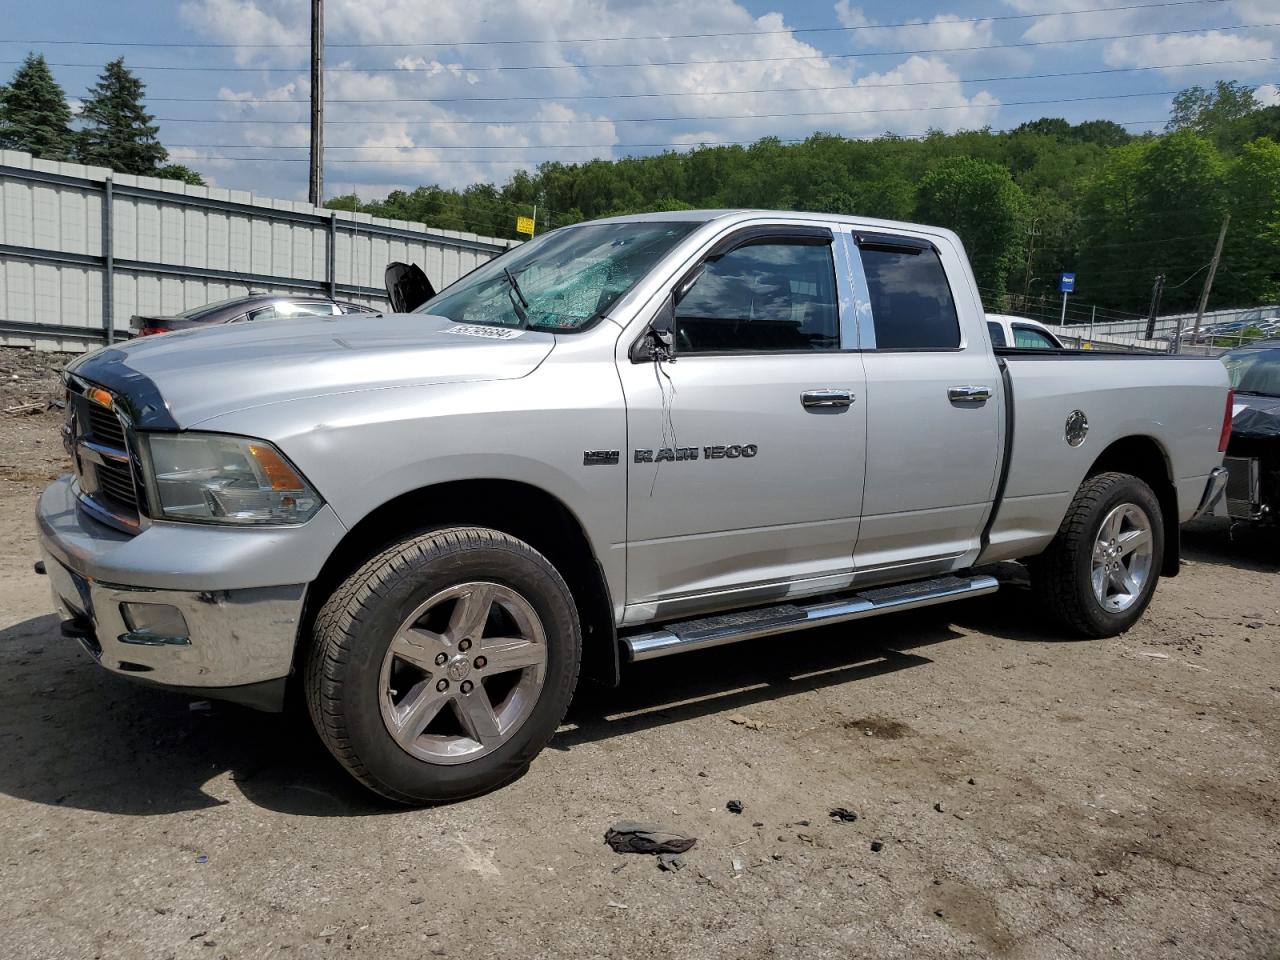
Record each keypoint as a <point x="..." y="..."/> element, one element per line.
<point x="980" y="202"/>
<point x="34" y="115"/>
<point x="118" y="132"/>
<point x="176" y="171"/>
<point x="1250" y="269"/>
<point x="1207" y="111"/>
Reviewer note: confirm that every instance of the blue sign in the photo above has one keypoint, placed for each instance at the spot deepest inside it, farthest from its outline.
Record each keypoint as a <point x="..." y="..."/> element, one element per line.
<point x="1067" y="283"/>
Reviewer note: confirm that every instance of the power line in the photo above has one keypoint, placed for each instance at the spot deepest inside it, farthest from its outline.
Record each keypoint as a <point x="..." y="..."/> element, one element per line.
<point x="527" y="41"/>
<point x="671" y="63"/>
<point x="720" y="93"/>
<point x="734" y="116"/>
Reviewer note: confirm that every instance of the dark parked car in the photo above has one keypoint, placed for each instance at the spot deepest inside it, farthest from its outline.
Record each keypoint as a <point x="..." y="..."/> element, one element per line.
<point x="262" y="306"/>
<point x="1253" y="456"/>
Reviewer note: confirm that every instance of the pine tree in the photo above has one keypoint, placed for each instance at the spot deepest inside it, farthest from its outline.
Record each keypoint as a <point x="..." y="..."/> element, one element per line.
<point x="118" y="132"/>
<point x="34" y="115"/>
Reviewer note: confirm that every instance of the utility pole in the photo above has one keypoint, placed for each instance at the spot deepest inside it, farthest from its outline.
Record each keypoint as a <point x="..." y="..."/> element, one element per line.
<point x="1157" y="292"/>
<point x="315" y="189"/>
<point x="1032" y="233"/>
<point x="1208" y="280"/>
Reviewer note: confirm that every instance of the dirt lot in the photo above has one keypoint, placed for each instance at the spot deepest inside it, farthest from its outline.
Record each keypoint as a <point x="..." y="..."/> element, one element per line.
<point x="1034" y="797"/>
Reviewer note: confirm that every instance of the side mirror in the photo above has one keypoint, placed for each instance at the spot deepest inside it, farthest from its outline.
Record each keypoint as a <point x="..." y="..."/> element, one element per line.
<point x="659" y="339"/>
<point x="407" y="287"/>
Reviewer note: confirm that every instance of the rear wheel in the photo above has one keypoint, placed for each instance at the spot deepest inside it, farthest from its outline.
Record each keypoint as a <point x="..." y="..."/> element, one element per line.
<point x="1099" y="573"/>
<point x="442" y="667"/>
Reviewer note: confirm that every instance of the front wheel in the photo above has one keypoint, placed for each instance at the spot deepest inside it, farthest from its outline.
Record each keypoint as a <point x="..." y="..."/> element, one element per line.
<point x="1099" y="573"/>
<point x="441" y="667"/>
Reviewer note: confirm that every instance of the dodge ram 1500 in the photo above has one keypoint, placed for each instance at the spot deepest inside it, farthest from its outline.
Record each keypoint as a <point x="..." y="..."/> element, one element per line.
<point x="621" y="440"/>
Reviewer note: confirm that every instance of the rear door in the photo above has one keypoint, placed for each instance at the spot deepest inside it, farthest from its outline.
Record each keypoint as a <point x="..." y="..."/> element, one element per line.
<point x="746" y="460"/>
<point x="934" y="408"/>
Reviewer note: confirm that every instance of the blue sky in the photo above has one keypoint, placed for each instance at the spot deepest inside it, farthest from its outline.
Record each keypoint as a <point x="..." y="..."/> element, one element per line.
<point x="409" y="113"/>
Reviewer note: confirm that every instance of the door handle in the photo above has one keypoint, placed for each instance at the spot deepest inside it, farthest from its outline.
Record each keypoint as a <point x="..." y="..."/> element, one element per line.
<point x="827" y="399"/>
<point x="968" y="394"/>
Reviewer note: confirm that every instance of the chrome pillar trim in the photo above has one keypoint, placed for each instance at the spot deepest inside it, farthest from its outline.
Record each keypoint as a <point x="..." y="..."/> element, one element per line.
<point x="857" y="328"/>
<point x="732" y="628"/>
<point x="1214" y="488"/>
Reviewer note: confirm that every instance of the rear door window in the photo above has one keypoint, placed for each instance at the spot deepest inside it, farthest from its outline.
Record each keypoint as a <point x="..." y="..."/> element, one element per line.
<point x="911" y="302"/>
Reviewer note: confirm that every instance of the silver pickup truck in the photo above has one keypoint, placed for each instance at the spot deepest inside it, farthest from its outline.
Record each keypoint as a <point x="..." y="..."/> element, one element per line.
<point x="622" y="440"/>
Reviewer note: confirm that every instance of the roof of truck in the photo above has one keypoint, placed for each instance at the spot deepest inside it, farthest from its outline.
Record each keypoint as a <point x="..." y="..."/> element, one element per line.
<point x="705" y="216"/>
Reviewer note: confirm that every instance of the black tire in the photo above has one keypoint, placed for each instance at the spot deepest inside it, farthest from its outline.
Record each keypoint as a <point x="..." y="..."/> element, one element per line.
<point x="1061" y="576"/>
<point x="356" y="625"/>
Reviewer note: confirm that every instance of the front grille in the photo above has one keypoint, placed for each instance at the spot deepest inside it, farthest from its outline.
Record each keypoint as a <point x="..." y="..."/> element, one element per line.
<point x="105" y="427"/>
<point x="99" y="444"/>
<point x="115" y="482"/>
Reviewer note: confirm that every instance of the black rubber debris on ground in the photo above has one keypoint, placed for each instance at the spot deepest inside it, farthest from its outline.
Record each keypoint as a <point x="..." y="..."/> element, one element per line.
<point x="843" y="815"/>
<point x="627" y="836"/>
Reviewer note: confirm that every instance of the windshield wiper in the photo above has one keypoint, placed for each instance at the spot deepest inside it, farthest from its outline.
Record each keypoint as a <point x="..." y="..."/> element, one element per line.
<point x="519" y="303"/>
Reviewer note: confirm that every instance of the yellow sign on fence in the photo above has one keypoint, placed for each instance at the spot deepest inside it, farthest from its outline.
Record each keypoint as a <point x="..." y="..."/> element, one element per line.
<point x="524" y="225"/>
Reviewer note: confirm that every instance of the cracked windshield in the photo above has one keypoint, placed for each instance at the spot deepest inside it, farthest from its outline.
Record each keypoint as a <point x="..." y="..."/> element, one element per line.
<point x="563" y="280"/>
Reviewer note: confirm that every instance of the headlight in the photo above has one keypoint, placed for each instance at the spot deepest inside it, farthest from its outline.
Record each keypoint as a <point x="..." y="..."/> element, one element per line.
<point x="216" y="478"/>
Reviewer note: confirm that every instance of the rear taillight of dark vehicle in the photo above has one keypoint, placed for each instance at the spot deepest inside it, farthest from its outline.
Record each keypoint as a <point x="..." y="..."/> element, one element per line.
<point x="150" y="329"/>
<point x="1224" y="438"/>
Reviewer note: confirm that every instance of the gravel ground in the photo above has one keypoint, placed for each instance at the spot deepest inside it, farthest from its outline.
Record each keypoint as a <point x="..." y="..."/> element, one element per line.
<point x="1033" y="797"/>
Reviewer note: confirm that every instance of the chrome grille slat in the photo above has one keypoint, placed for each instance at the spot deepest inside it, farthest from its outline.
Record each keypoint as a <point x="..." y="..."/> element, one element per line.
<point x="97" y="438"/>
<point x="105" y="427"/>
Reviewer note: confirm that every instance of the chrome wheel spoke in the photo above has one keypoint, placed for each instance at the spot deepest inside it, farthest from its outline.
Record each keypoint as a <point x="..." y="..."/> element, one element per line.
<point x="418" y="647"/>
<point x="1132" y="540"/>
<point x="1127" y="582"/>
<point x="1112" y="526"/>
<point x="1101" y="579"/>
<point x="418" y="708"/>
<point x="477" y="716"/>
<point x="471" y="613"/>
<point x="512" y="653"/>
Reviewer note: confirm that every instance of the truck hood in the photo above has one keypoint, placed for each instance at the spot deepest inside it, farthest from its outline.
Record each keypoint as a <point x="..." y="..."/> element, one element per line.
<point x="176" y="380"/>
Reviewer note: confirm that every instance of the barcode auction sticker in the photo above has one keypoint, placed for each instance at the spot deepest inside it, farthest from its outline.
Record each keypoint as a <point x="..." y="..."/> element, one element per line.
<point x="478" y="330"/>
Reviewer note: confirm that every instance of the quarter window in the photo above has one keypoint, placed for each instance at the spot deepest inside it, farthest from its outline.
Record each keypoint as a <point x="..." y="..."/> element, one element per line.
<point x="910" y="298"/>
<point x="997" y="334"/>
<point x="769" y="297"/>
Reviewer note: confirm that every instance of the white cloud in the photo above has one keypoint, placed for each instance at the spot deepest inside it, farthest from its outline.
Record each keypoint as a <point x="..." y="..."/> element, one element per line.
<point x="850" y="16"/>
<point x="762" y="59"/>
<point x="1189" y="49"/>
<point x="1268" y="95"/>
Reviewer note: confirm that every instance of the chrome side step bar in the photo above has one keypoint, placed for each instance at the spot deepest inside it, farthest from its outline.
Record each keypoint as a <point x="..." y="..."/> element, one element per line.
<point x="765" y="621"/>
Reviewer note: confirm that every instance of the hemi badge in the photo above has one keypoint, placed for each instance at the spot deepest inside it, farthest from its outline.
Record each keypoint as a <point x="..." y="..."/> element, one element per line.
<point x="599" y="458"/>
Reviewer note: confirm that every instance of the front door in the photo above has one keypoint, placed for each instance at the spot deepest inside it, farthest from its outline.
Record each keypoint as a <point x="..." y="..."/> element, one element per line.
<point x="745" y="459"/>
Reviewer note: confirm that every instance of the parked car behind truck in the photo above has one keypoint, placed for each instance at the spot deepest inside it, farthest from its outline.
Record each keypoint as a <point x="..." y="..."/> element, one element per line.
<point x="623" y="440"/>
<point x="257" y="307"/>
<point x="1253" y="456"/>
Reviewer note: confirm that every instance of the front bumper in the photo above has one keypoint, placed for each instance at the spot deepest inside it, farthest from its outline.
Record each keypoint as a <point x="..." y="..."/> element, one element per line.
<point x="222" y="638"/>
